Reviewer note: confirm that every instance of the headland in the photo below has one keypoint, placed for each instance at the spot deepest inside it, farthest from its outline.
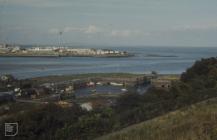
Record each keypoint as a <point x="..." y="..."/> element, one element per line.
<point x="7" y="50"/>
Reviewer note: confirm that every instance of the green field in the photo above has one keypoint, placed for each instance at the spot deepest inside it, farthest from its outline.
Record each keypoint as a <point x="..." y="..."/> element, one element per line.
<point x="83" y="76"/>
<point x="59" y="78"/>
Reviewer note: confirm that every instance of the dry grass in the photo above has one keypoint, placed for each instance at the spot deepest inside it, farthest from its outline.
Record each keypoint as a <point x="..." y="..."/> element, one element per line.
<point x="197" y="122"/>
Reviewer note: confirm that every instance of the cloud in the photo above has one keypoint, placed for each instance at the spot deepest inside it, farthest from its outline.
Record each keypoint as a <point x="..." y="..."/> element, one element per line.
<point x="72" y="29"/>
<point x="54" y="31"/>
<point x="35" y="3"/>
<point x="91" y="29"/>
<point x="124" y="33"/>
<point x="116" y="33"/>
<point x="202" y="26"/>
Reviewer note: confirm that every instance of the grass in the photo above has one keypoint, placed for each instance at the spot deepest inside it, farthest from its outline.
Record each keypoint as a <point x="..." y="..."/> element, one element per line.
<point x="197" y="122"/>
<point x="15" y="108"/>
<point x="97" y="97"/>
<point x="83" y="76"/>
<point x="59" y="78"/>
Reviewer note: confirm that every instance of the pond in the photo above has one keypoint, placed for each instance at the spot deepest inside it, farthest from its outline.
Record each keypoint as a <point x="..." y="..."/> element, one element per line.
<point x="101" y="89"/>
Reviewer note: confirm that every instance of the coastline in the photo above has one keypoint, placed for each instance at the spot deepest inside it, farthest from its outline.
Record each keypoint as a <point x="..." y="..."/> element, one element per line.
<point x="55" y="51"/>
<point x="39" y="55"/>
<point x="60" y="78"/>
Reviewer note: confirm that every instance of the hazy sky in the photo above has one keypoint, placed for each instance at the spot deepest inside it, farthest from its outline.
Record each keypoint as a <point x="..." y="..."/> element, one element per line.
<point x="110" y="22"/>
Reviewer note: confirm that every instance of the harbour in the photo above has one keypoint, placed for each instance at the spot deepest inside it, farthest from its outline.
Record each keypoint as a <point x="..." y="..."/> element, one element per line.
<point x="140" y="63"/>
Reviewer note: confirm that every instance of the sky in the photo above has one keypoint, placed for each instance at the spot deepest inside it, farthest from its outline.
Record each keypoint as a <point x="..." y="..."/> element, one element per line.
<point x="109" y="22"/>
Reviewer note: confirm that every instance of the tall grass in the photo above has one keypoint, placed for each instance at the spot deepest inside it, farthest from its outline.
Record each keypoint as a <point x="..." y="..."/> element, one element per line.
<point x="197" y="122"/>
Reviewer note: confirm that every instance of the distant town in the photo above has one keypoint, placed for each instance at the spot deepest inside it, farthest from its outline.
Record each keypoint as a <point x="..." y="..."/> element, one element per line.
<point x="40" y="51"/>
<point x="87" y="90"/>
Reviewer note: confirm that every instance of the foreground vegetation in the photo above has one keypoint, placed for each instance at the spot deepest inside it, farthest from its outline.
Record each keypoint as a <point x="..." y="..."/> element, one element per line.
<point x="50" y="121"/>
<point x="197" y="122"/>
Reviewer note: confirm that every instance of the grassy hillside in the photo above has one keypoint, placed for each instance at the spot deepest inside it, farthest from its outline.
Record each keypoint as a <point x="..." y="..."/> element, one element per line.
<point x="197" y="122"/>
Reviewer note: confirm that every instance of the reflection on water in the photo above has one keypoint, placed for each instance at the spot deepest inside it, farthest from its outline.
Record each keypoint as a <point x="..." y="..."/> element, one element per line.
<point x="108" y="89"/>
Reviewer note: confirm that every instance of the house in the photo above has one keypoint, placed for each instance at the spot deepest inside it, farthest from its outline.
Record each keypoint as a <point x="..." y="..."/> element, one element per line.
<point x="17" y="92"/>
<point x="33" y="93"/>
<point x="29" y="93"/>
<point x="117" y="52"/>
<point x="161" y="83"/>
<point x="15" y="49"/>
<point x="2" y="46"/>
<point x="100" y="52"/>
<point x="69" y="89"/>
<point x="90" y="84"/>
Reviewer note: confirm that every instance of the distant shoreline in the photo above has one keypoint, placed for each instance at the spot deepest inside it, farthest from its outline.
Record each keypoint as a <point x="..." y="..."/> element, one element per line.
<point x="51" y="78"/>
<point x="96" y="56"/>
<point x="7" y="50"/>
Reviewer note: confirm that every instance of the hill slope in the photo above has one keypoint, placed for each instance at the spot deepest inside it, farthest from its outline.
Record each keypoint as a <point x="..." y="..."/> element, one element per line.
<point x="197" y="122"/>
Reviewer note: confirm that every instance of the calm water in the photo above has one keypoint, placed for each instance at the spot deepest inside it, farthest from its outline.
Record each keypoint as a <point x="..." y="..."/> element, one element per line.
<point x="104" y="89"/>
<point x="164" y="60"/>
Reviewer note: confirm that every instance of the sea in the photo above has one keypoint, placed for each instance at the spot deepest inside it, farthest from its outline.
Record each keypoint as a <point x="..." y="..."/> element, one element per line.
<point x="163" y="60"/>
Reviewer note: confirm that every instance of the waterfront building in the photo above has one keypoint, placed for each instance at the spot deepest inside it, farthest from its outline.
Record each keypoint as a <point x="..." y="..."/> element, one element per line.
<point x="41" y="49"/>
<point x="57" y="51"/>
<point x="15" y="49"/>
<point x="100" y="52"/>
<point x="116" y="52"/>
<point x="161" y="83"/>
<point x="2" y="46"/>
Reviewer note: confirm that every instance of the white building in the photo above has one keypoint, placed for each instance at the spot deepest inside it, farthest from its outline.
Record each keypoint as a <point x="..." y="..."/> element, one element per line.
<point x="100" y="52"/>
<point x="2" y="46"/>
<point x="41" y="49"/>
<point x="15" y="49"/>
